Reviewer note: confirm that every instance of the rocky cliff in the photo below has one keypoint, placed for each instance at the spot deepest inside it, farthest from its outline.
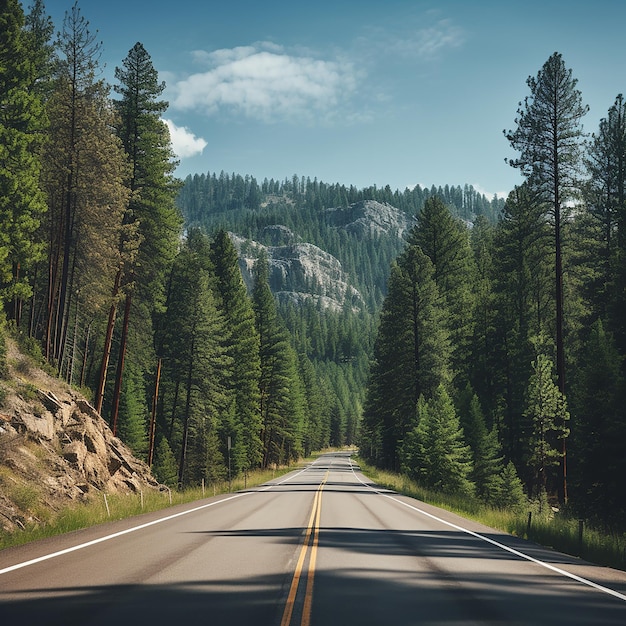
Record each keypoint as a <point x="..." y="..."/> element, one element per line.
<point x="369" y="218"/>
<point x="55" y="449"/>
<point x="298" y="271"/>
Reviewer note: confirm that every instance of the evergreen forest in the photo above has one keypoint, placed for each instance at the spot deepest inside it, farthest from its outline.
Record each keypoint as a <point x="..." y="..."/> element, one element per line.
<point x="480" y="351"/>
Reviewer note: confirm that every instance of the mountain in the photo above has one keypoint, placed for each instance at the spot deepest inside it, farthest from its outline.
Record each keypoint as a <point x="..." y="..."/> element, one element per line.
<point x="301" y="271"/>
<point x="364" y="230"/>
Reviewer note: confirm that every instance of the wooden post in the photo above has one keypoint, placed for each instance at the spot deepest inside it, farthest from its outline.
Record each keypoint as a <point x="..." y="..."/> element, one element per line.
<point x="581" y="526"/>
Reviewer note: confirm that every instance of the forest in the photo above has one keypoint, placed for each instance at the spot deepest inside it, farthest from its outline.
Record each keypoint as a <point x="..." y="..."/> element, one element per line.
<point x="486" y="359"/>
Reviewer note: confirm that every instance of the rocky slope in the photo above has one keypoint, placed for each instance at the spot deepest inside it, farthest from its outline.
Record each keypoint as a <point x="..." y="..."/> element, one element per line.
<point x="369" y="218"/>
<point x="298" y="271"/>
<point x="55" y="449"/>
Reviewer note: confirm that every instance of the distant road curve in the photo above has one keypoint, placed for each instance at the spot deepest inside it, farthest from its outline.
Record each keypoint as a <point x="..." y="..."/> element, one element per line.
<point x="320" y="546"/>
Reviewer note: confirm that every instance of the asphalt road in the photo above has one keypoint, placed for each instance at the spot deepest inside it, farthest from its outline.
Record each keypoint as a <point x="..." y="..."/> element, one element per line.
<point x="321" y="546"/>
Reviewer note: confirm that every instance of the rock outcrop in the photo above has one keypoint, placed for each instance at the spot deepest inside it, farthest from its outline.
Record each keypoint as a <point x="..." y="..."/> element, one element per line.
<point x="369" y="217"/>
<point x="55" y="448"/>
<point x="299" y="271"/>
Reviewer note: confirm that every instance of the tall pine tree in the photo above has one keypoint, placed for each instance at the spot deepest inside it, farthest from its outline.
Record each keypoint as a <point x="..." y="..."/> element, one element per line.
<point x="243" y="346"/>
<point x="151" y="209"/>
<point x="549" y="140"/>
<point x="282" y="397"/>
<point x="410" y="356"/>
<point x="23" y="123"/>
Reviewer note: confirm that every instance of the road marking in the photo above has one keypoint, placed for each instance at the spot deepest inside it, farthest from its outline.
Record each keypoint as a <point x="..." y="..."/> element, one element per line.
<point x="87" y="544"/>
<point x="527" y="557"/>
<point x="312" y="530"/>
<point x="308" y="597"/>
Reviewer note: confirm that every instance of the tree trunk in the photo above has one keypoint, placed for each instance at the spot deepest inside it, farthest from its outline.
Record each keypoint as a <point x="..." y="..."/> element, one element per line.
<point x="183" y="449"/>
<point x="117" y="392"/>
<point x="108" y="340"/>
<point x="153" y="415"/>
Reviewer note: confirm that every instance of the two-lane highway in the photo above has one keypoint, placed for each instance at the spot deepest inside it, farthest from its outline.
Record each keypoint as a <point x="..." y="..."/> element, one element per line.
<point x="320" y="546"/>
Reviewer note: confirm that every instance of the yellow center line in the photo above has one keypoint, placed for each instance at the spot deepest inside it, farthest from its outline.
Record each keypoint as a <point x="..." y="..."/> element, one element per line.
<point x="312" y="528"/>
<point x="308" y="596"/>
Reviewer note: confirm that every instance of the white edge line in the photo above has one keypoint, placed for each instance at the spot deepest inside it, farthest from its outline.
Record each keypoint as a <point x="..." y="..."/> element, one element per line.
<point x="557" y="570"/>
<point x="87" y="544"/>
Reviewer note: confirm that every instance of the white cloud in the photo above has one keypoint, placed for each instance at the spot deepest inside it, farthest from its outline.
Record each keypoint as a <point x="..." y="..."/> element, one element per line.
<point x="184" y="142"/>
<point x="264" y="82"/>
<point x="428" y="43"/>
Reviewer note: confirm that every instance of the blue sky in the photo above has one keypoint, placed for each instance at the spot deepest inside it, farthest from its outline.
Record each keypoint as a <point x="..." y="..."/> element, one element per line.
<point x="362" y="92"/>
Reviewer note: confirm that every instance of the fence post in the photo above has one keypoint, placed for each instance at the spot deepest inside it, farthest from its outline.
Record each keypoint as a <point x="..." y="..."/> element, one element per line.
<point x="580" y="536"/>
<point x="530" y="519"/>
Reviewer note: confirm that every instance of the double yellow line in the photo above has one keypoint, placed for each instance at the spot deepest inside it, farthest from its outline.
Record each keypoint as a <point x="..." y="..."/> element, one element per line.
<point x="311" y="539"/>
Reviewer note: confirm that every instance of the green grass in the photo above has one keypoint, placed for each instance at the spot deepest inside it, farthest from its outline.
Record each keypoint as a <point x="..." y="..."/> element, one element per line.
<point x="547" y="528"/>
<point x="100" y="509"/>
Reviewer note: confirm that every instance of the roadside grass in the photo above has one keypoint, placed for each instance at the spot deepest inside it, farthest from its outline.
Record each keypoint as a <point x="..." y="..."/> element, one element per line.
<point x="101" y="508"/>
<point x="544" y="526"/>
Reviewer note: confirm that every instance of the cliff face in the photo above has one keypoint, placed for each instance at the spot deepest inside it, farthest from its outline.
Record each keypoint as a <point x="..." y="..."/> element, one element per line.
<point x="55" y="449"/>
<point x="300" y="271"/>
<point x="370" y="218"/>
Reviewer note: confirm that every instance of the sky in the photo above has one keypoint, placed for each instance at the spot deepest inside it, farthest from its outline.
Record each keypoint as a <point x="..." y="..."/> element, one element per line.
<point x="358" y="92"/>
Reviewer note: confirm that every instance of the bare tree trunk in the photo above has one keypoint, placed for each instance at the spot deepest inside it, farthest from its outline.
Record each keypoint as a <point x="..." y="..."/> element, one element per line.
<point x="108" y="340"/>
<point x="85" y="352"/>
<point x="117" y="392"/>
<point x="153" y="415"/>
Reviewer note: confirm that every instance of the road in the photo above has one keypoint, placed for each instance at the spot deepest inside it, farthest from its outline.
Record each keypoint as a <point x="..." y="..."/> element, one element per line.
<point x="319" y="546"/>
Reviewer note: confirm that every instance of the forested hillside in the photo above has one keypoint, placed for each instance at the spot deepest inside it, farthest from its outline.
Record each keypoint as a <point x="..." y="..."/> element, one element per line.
<point x="223" y="323"/>
<point x="331" y="313"/>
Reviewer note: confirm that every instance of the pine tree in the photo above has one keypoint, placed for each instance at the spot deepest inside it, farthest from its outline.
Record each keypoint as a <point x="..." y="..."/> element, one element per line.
<point x="483" y="361"/>
<point x="165" y="468"/>
<point x="605" y="243"/>
<point x="23" y="123"/>
<point x="549" y="139"/>
<point x="524" y="308"/>
<point x="151" y="209"/>
<point x="599" y="429"/>
<point x="410" y="356"/>
<point x="196" y="363"/>
<point x="510" y="490"/>
<point x="84" y="177"/>
<point x="445" y="240"/>
<point x="243" y="347"/>
<point x="39" y="29"/>
<point x="282" y="398"/>
<point x="547" y="410"/>
<point x="487" y="461"/>
<point x="434" y="452"/>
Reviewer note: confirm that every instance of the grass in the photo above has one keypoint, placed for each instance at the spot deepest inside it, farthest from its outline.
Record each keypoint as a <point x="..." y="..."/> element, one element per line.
<point x="100" y="508"/>
<point x="548" y="528"/>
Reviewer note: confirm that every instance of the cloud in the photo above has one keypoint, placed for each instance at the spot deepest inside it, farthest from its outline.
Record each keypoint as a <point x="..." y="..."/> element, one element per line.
<point x="184" y="142"/>
<point x="429" y="43"/>
<point x="264" y="82"/>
